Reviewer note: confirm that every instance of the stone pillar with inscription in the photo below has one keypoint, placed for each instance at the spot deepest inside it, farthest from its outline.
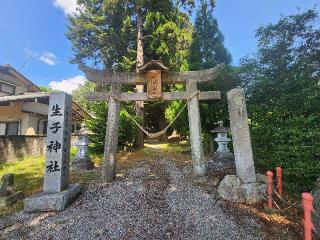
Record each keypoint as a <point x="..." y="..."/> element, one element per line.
<point x="243" y="187"/>
<point x="241" y="136"/>
<point x="57" y="193"/>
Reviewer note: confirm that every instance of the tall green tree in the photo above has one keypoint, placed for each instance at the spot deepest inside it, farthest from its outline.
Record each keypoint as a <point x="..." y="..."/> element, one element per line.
<point x="103" y="34"/>
<point x="207" y="48"/>
<point x="282" y="84"/>
<point x="206" y="51"/>
<point x="97" y="124"/>
<point x="120" y="35"/>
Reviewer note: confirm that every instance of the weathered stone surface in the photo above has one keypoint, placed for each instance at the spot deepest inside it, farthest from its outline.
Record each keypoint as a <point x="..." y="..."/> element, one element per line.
<point x="82" y="160"/>
<point x="199" y="166"/>
<point x="11" y="199"/>
<point x="13" y="147"/>
<point x="81" y="164"/>
<point x="141" y="96"/>
<point x="241" y="136"/>
<point x="316" y="206"/>
<point x="58" y="142"/>
<point x="223" y="152"/>
<point x="43" y="202"/>
<point x="230" y="189"/>
<point x="111" y="139"/>
<point x="227" y="156"/>
<point x="253" y="192"/>
<point x="105" y="77"/>
<point x="206" y="181"/>
<point x="57" y="193"/>
<point x="261" y="178"/>
<point x="8" y="196"/>
<point x="7" y="185"/>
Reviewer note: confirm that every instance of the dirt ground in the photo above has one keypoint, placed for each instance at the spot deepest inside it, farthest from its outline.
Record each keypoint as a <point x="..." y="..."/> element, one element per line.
<point x="154" y="197"/>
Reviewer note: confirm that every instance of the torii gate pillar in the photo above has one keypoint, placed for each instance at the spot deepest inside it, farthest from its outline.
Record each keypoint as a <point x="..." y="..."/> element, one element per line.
<point x="112" y="135"/>
<point x="198" y="163"/>
<point x="154" y="74"/>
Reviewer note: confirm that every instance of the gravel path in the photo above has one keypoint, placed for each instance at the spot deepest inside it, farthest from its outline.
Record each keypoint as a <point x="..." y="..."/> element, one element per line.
<point x="152" y="201"/>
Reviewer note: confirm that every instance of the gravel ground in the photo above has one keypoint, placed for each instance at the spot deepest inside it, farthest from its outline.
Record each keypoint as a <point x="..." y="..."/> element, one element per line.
<point x="152" y="201"/>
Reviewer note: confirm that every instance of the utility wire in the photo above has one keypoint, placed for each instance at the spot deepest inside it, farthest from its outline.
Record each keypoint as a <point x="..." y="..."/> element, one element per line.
<point x="27" y="61"/>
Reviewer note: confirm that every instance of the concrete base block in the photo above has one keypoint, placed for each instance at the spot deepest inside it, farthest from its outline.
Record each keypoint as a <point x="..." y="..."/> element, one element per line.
<point x="11" y="199"/>
<point x="233" y="189"/>
<point x="47" y="202"/>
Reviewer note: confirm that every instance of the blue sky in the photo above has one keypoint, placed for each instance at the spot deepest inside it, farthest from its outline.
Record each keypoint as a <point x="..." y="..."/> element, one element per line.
<point x="35" y="29"/>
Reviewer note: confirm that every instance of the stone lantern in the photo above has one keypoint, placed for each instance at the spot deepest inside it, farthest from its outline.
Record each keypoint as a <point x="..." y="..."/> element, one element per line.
<point x="222" y="140"/>
<point x="82" y="159"/>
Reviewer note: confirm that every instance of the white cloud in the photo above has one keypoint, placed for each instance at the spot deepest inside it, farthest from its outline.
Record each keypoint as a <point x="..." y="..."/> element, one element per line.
<point x="29" y="52"/>
<point x="68" y="6"/>
<point x="48" y="58"/>
<point x="69" y="84"/>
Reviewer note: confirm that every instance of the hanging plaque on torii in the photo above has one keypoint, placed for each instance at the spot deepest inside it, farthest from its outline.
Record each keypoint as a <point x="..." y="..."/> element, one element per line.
<point x="154" y="74"/>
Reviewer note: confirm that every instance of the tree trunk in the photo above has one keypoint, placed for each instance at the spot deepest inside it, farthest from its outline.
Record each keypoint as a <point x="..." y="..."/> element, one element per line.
<point x="139" y="141"/>
<point x="162" y="125"/>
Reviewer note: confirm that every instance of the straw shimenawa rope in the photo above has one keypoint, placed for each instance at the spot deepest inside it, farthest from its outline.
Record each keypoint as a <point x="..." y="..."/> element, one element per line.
<point x="162" y="132"/>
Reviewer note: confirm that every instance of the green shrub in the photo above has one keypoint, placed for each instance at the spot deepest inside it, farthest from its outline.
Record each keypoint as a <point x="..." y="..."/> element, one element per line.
<point x="293" y="144"/>
<point x="282" y="84"/>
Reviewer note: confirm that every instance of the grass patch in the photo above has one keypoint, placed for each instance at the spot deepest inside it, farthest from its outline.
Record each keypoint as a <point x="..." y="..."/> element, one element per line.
<point x="28" y="176"/>
<point x="173" y="148"/>
<point x="28" y="173"/>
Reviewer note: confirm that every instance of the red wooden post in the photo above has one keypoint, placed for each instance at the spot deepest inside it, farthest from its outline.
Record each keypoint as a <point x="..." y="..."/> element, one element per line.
<point x="279" y="176"/>
<point x="307" y="203"/>
<point x="269" y="188"/>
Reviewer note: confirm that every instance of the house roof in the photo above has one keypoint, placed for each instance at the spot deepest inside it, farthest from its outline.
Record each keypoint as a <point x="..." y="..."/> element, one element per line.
<point x="8" y="70"/>
<point x="35" y="92"/>
<point x="78" y="112"/>
<point x="25" y="96"/>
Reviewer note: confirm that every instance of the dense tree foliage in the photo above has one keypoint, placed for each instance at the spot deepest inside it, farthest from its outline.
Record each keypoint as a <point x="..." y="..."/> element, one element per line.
<point x="281" y="79"/>
<point x="282" y="85"/>
<point x="45" y="89"/>
<point x="104" y="34"/>
<point x="99" y="110"/>
<point x="206" y="51"/>
<point x="207" y="48"/>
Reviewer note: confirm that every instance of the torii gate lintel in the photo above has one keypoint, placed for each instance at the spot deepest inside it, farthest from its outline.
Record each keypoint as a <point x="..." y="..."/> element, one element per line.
<point x="160" y="75"/>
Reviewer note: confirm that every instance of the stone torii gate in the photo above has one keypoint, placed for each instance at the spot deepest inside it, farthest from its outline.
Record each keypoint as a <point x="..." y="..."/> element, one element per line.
<point x="154" y="74"/>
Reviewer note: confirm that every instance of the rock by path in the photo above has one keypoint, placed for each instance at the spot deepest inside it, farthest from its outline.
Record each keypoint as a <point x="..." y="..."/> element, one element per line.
<point x="152" y="201"/>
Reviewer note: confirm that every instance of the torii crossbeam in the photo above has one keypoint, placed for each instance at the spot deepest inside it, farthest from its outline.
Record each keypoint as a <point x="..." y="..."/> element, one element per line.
<point x="154" y="74"/>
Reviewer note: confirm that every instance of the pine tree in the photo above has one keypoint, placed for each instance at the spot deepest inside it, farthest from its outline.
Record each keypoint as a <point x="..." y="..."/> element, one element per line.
<point x="207" y="48"/>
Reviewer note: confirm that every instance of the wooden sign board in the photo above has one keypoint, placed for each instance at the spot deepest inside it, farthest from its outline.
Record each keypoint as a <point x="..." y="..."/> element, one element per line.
<point x="154" y="86"/>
